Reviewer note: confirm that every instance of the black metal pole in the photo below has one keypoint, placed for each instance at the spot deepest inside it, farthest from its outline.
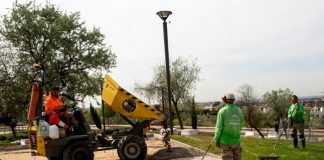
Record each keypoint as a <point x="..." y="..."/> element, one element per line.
<point x="165" y="31"/>
<point x="103" y="111"/>
<point x="103" y="118"/>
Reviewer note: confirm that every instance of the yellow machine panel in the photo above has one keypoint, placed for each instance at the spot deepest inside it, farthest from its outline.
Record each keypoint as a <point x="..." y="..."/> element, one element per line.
<point x="123" y="102"/>
<point x="36" y="142"/>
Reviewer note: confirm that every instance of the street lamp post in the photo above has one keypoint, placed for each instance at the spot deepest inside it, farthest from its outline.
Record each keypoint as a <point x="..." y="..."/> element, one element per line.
<point x="164" y="16"/>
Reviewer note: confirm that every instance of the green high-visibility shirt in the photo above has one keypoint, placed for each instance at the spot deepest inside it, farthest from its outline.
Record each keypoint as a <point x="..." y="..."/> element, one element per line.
<point x="296" y="112"/>
<point x="229" y="125"/>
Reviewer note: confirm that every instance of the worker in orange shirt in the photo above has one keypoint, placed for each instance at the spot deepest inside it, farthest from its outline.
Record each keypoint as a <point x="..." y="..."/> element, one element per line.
<point x="56" y="110"/>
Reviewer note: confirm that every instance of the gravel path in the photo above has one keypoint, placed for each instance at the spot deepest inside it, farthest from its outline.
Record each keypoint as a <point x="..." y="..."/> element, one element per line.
<point x="155" y="151"/>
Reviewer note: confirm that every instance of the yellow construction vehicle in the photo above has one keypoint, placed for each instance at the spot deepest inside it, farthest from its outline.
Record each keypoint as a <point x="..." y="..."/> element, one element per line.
<point x="83" y="142"/>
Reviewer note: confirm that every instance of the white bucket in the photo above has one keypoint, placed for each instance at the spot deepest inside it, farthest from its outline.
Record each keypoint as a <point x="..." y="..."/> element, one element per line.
<point x="53" y="132"/>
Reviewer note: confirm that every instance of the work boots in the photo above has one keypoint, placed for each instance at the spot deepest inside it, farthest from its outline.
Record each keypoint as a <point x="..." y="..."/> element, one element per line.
<point x="303" y="143"/>
<point x="302" y="137"/>
<point x="295" y="139"/>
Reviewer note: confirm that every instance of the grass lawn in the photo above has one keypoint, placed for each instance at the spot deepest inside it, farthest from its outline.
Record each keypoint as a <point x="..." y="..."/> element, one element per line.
<point x="6" y="143"/>
<point x="254" y="147"/>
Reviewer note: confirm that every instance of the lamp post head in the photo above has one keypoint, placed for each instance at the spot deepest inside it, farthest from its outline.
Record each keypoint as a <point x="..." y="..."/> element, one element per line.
<point x="164" y="14"/>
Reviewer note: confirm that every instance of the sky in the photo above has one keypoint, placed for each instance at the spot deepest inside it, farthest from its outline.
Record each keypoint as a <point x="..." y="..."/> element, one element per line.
<point x="268" y="44"/>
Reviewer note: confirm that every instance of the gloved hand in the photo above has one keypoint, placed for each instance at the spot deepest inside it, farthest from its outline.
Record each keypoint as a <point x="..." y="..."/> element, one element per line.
<point x="71" y="105"/>
<point x="60" y="109"/>
<point x="218" y="144"/>
<point x="66" y="126"/>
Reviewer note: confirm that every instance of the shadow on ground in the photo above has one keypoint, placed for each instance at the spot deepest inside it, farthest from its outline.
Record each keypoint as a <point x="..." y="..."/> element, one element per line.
<point x="177" y="152"/>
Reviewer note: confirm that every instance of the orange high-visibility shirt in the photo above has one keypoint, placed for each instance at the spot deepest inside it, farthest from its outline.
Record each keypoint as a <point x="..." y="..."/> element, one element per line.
<point x="52" y="103"/>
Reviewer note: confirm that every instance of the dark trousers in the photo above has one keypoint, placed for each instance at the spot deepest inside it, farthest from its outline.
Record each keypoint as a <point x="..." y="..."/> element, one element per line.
<point x="298" y="127"/>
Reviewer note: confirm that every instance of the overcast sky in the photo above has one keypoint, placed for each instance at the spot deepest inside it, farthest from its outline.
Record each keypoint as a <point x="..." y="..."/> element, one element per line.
<point x="268" y="44"/>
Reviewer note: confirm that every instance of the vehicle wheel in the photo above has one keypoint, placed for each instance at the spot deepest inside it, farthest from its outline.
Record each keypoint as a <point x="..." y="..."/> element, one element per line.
<point x="54" y="158"/>
<point x="78" y="151"/>
<point x="132" y="147"/>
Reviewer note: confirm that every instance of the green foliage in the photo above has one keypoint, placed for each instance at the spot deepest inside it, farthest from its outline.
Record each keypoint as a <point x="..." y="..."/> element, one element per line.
<point x="14" y="87"/>
<point x="318" y="122"/>
<point x="279" y="101"/>
<point x="209" y="120"/>
<point x="110" y="115"/>
<point x="193" y="115"/>
<point x="9" y="137"/>
<point x="254" y="117"/>
<point x="202" y="120"/>
<point x="206" y="112"/>
<point x="87" y="116"/>
<point x="71" y="54"/>
<point x="307" y="117"/>
<point x="269" y="120"/>
<point x="321" y="124"/>
<point x="108" y="112"/>
<point x="214" y="111"/>
<point x="60" y="41"/>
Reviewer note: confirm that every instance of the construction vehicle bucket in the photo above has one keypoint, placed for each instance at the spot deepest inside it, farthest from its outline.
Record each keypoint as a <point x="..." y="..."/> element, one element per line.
<point x="123" y="102"/>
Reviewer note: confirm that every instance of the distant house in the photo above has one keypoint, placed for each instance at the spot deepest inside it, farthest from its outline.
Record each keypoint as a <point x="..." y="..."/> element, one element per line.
<point x="317" y="112"/>
<point x="200" y="107"/>
<point x="206" y="105"/>
<point x="315" y="101"/>
<point x="264" y="108"/>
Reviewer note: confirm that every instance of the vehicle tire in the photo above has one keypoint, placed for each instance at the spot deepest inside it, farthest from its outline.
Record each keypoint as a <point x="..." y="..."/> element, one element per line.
<point x="78" y="151"/>
<point x="132" y="147"/>
<point x="53" y="158"/>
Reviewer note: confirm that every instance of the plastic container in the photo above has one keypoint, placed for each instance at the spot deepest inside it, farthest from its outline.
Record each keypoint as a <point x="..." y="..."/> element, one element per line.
<point x="43" y="129"/>
<point x="54" y="132"/>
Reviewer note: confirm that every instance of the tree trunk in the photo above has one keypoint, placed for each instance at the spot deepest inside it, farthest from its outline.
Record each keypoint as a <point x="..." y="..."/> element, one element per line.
<point x="13" y="125"/>
<point x="178" y="115"/>
<point x="252" y="126"/>
<point x="13" y="130"/>
<point x="256" y="129"/>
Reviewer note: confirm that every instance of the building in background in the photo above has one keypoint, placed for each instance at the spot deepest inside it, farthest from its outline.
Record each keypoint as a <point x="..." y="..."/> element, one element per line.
<point x="316" y="103"/>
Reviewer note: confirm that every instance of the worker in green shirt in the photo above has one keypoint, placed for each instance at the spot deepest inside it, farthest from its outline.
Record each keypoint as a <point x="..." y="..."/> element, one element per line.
<point x="296" y="117"/>
<point x="228" y="129"/>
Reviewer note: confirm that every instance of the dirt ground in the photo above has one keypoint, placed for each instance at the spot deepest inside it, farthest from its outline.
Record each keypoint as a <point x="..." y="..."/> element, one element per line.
<point x="155" y="151"/>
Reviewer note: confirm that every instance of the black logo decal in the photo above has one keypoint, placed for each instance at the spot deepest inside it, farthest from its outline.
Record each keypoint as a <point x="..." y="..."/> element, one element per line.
<point x="129" y="105"/>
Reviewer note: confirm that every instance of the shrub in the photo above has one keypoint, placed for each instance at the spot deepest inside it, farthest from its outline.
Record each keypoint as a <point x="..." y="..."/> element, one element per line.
<point x="9" y="136"/>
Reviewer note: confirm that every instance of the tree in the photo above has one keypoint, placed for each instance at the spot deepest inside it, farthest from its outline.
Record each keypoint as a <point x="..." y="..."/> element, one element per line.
<point x="249" y="102"/>
<point x="72" y="55"/>
<point x="184" y="76"/>
<point x="279" y="101"/>
<point x="13" y="88"/>
<point x="194" y="121"/>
